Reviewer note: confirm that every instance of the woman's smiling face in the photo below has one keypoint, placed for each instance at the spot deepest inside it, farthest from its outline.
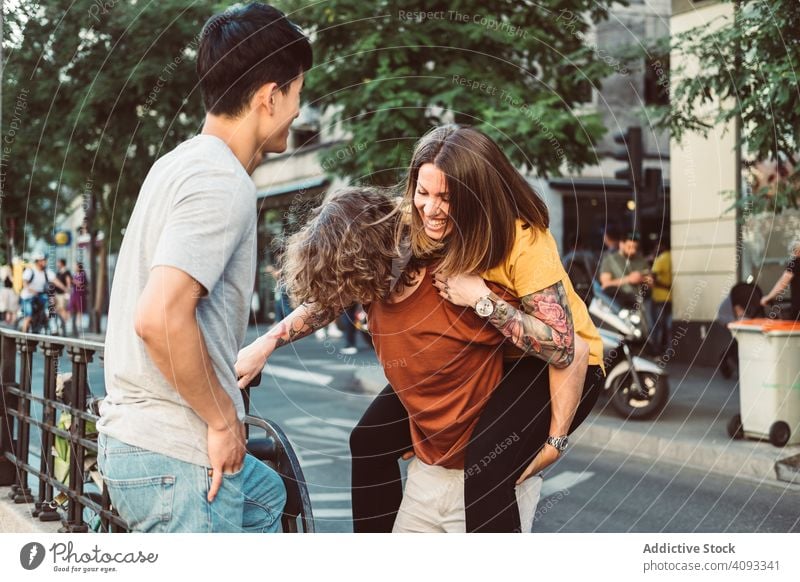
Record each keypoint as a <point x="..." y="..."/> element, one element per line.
<point x="433" y="202"/>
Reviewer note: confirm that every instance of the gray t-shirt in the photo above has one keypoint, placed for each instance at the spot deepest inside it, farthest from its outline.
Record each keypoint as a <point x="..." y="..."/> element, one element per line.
<point x="620" y="266"/>
<point x="196" y="211"/>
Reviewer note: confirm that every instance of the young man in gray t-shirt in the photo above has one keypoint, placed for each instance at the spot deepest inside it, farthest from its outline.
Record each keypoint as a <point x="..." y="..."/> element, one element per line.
<point x="172" y="448"/>
<point x="624" y="274"/>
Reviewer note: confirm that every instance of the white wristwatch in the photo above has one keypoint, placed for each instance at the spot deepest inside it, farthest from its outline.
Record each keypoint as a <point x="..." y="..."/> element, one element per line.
<point x="485" y="306"/>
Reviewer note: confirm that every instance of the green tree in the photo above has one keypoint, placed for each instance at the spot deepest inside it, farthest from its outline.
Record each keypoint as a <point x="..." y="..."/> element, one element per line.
<point x="750" y="65"/>
<point x="392" y="69"/>
<point x="27" y="168"/>
<point x="114" y="87"/>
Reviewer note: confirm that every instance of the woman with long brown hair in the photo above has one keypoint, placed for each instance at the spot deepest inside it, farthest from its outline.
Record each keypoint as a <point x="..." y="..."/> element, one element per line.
<point x="471" y="208"/>
<point x="471" y="212"/>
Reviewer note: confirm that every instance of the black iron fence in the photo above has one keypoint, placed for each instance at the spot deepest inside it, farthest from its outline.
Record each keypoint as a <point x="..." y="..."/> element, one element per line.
<point x="67" y="485"/>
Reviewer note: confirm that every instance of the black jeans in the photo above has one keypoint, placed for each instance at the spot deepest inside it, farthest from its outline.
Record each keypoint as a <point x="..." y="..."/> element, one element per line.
<point x="511" y="431"/>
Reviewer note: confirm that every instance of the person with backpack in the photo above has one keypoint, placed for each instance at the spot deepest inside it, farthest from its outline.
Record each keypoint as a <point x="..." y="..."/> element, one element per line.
<point x="38" y="283"/>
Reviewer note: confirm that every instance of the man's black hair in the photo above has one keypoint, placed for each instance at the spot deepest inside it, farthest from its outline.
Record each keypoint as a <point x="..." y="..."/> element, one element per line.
<point x="748" y="297"/>
<point x="245" y="48"/>
<point x="631" y="235"/>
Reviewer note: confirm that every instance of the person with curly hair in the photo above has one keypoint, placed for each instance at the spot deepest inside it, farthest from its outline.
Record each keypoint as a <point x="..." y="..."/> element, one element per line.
<point x="347" y="250"/>
<point x="536" y="404"/>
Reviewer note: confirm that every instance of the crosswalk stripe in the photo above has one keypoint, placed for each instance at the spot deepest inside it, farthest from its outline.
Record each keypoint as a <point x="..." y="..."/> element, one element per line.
<point x="330" y="513"/>
<point x="564" y="481"/>
<point x="295" y="375"/>
<point x="330" y="496"/>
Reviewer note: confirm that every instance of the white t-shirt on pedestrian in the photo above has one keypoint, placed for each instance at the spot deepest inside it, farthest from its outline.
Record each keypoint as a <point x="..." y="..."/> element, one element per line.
<point x="37" y="282"/>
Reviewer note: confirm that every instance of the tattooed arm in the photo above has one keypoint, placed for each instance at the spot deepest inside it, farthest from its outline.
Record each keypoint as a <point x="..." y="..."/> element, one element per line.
<point x="300" y="323"/>
<point x="542" y="327"/>
<point x="545" y="329"/>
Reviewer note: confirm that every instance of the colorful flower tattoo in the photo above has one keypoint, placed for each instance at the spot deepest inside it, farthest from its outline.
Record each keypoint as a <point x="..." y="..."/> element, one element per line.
<point x="542" y="326"/>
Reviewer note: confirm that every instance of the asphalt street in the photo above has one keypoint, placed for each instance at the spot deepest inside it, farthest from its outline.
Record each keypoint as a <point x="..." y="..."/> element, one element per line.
<point x="309" y="389"/>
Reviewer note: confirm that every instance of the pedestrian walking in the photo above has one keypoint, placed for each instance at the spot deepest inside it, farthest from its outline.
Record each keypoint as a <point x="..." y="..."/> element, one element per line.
<point x="38" y="283"/>
<point x="9" y="301"/>
<point x="78" y="298"/>
<point x="62" y="294"/>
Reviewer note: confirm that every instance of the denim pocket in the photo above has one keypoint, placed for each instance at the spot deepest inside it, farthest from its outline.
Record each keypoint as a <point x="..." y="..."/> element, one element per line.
<point x="235" y="474"/>
<point x="145" y="503"/>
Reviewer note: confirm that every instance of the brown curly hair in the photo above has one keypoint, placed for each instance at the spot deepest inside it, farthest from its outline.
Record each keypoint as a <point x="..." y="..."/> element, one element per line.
<point x="347" y="251"/>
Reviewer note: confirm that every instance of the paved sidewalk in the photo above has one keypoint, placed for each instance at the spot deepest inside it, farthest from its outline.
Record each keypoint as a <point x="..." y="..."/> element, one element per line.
<point x="17" y="518"/>
<point x="691" y="431"/>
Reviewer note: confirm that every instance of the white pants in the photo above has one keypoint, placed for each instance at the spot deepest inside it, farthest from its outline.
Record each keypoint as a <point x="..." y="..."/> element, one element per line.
<point x="433" y="500"/>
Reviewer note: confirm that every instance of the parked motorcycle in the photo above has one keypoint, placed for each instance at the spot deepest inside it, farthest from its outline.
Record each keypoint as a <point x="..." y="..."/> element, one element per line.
<point x="638" y="386"/>
<point x="630" y="322"/>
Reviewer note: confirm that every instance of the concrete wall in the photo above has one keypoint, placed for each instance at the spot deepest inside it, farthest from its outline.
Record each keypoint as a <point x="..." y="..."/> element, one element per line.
<point x="621" y="97"/>
<point x="705" y="254"/>
<point x="704" y="250"/>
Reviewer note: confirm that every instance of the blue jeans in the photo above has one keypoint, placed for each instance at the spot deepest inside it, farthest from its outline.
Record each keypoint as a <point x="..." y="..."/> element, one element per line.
<point x="27" y="304"/>
<point x="156" y="493"/>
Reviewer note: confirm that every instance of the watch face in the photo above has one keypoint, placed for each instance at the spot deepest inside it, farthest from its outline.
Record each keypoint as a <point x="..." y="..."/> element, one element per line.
<point x="484" y="308"/>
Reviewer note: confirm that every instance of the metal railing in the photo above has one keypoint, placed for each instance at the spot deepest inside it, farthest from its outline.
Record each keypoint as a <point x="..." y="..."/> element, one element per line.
<point x="17" y="395"/>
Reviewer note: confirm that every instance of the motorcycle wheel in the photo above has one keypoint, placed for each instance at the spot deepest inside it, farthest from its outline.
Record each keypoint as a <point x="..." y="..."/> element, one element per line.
<point x="629" y="403"/>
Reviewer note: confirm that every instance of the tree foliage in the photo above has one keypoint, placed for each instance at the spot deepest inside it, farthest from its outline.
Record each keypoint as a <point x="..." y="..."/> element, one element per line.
<point x="110" y="87"/>
<point x="391" y="70"/>
<point x="749" y="72"/>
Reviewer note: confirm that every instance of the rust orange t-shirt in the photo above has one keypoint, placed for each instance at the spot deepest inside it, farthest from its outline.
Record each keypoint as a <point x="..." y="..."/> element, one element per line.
<point x="443" y="361"/>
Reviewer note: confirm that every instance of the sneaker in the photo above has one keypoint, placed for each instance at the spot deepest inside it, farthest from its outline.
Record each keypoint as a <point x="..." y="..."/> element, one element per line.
<point x="348" y="351"/>
<point x="320" y="334"/>
<point x="334" y="331"/>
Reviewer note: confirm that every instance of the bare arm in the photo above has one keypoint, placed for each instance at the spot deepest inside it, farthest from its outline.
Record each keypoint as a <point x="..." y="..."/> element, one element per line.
<point x="58" y="284"/>
<point x="606" y="280"/>
<point x="566" y="388"/>
<point x="167" y="324"/>
<point x="301" y="322"/>
<point x="542" y="327"/>
<point x="779" y="288"/>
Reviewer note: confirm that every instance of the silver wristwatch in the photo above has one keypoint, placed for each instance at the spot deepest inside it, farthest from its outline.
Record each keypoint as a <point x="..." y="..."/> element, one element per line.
<point x="559" y="443"/>
<point x="485" y="306"/>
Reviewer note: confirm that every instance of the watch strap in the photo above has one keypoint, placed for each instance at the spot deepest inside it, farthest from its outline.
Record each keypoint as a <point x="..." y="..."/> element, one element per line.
<point x="558" y="442"/>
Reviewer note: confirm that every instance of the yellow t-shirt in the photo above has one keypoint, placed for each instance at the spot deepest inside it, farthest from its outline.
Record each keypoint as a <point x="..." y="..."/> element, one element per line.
<point x="534" y="264"/>
<point x="662" y="271"/>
